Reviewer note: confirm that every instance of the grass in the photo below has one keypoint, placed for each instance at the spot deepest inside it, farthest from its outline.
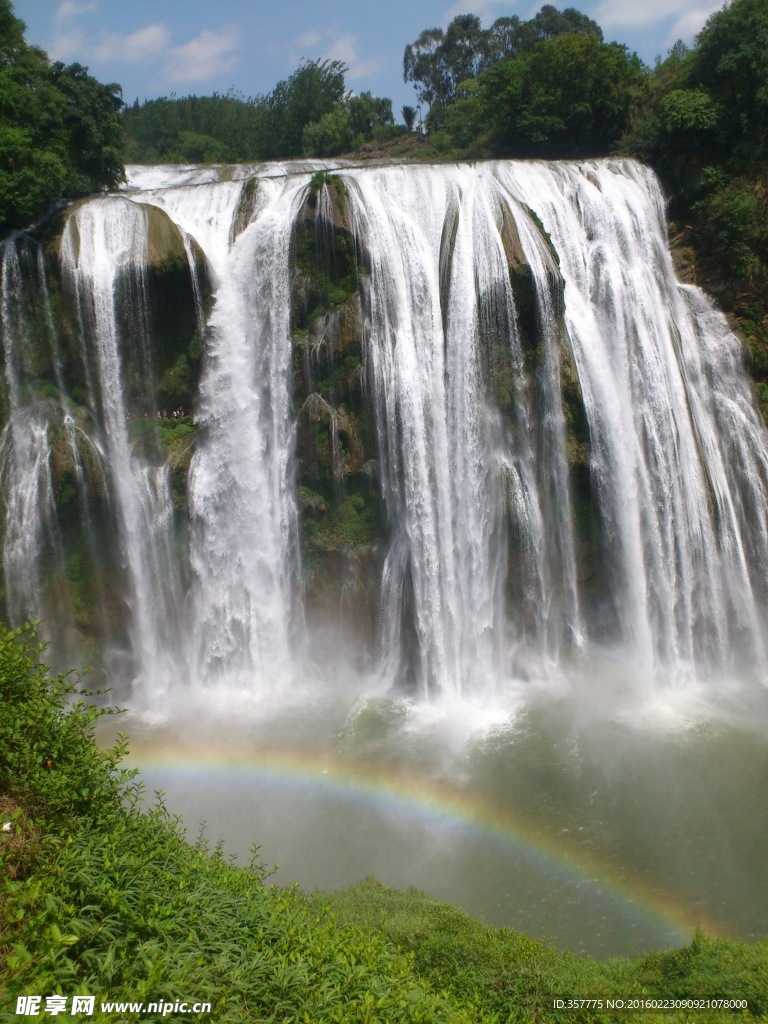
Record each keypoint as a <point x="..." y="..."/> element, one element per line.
<point x="101" y="898"/>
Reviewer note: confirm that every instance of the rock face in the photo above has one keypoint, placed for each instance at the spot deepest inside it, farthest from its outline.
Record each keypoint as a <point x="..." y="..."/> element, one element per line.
<point x="342" y="517"/>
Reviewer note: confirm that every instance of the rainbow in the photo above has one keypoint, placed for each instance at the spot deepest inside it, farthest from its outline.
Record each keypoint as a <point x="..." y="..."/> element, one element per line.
<point x="433" y="802"/>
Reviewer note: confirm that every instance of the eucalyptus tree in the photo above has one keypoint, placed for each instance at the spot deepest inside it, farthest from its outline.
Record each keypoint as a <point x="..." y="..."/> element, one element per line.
<point x="438" y="62"/>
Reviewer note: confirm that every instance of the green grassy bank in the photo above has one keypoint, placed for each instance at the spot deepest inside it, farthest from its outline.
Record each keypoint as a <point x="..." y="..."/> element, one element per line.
<point x="99" y="897"/>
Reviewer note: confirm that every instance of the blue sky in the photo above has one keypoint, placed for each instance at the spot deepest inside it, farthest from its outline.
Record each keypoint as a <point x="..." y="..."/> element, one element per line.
<point x="157" y="47"/>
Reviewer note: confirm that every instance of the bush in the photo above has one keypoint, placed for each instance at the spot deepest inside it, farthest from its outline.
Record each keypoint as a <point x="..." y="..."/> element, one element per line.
<point x="49" y="761"/>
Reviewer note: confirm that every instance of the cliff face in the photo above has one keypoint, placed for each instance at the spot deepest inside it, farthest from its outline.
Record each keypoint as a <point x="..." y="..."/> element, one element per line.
<point x="342" y="515"/>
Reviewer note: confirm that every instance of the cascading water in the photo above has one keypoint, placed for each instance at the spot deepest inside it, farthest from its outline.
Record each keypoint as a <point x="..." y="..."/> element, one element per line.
<point x="242" y="505"/>
<point x="455" y="476"/>
<point x="686" y="598"/>
<point x="103" y="249"/>
<point x="480" y="289"/>
<point x="241" y="491"/>
<point x="30" y="533"/>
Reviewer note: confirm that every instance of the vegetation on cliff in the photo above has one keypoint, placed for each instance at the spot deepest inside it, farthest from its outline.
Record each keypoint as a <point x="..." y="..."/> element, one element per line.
<point x="341" y="509"/>
<point x="703" y="125"/>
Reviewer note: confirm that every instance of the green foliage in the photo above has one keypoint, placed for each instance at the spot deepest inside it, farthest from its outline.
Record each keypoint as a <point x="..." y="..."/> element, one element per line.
<point x="709" y="967"/>
<point x="409" y="117"/>
<point x="92" y="129"/>
<point x="329" y="136"/>
<point x="48" y="758"/>
<point x="206" y="129"/>
<point x="176" y="434"/>
<point x="499" y="975"/>
<point x="31" y="177"/>
<point x="350" y="523"/>
<point x="327" y="272"/>
<point x="59" y="129"/>
<point x="194" y="147"/>
<point x="734" y="223"/>
<point x="175" y="385"/>
<point x="347" y="126"/>
<point x="312" y="91"/>
<point x="730" y="62"/>
<point x="439" y="63"/>
<point x="217" y="129"/>
<point x="570" y="96"/>
<point x="367" y="113"/>
<point x="687" y="113"/>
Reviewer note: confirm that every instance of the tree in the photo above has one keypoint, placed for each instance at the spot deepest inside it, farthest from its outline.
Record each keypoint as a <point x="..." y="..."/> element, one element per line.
<point x="368" y="113"/>
<point x="208" y="129"/>
<point x="12" y="31"/>
<point x="312" y="91"/>
<point x="196" y="148"/>
<point x="439" y="62"/>
<point x="550" y="22"/>
<point x="92" y="125"/>
<point x="422" y="64"/>
<point x="464" y="52"/>
<point x="409" y="117"/>
<point x="348" y="125"/>
<point x="570" y="96"/>
<point x="730" y="62"/>
<point x="60" y="133"/>
<point x="329" y="136"/>
<point x="506" y="38"/>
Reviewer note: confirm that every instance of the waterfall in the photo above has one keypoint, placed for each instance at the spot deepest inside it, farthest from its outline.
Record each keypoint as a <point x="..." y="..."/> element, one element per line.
<point x="30" y="528"/>
<point x="242" y="505"/>
<point x="562" y="435"/>
<point x="456" y="475"/>
<point x="103" y="252"/>
<point x="241" y="490"/>
<point x="660" y="400"/>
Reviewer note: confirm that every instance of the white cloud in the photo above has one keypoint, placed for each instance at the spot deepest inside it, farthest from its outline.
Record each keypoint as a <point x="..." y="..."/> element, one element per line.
<point x="689" y="25"/>
<point x="69" y="41"/>
<point x="310" y="39"/>
<point x="68" y="45"/>
<point x="631" y="14"/>
<point x="484" y="9"/>
<point x="134" y="48"/>
<point x="327" y="46"/>
<point x="209" y="54"/>
<point x="71" y="9"/>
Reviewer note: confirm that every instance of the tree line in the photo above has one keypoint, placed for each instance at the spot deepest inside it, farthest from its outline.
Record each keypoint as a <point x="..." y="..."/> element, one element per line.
<point x="309" y="114"/>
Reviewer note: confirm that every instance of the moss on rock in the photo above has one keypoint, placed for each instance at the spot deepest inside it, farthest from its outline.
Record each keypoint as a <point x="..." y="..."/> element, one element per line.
<point x="341" y="511"/>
